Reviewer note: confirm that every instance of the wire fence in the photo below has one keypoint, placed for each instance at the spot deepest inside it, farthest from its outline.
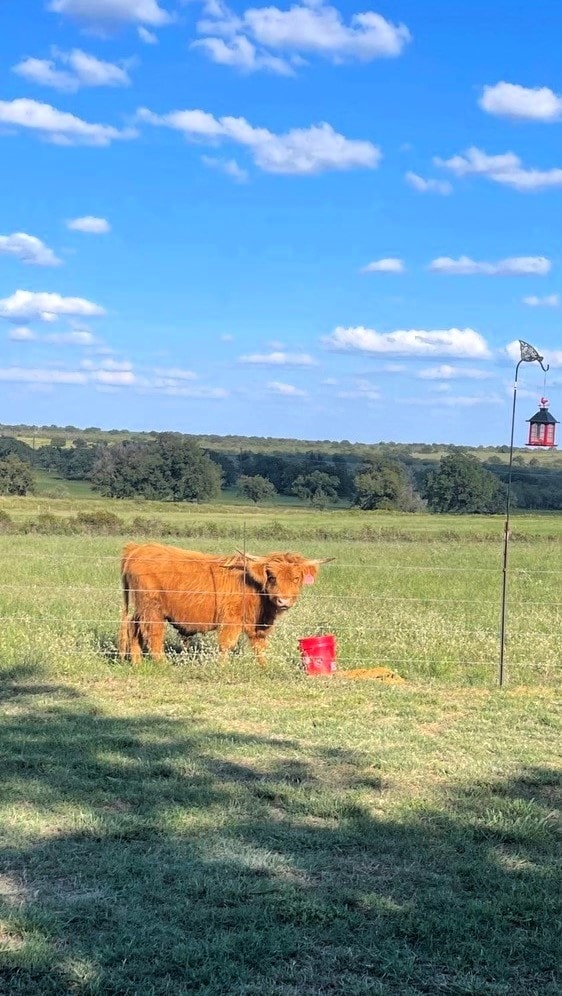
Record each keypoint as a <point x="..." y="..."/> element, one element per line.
<point x="436" y="619"/>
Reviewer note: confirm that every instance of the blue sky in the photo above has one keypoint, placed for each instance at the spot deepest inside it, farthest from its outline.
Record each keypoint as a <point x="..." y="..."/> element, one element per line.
<point x="307" y="220"/>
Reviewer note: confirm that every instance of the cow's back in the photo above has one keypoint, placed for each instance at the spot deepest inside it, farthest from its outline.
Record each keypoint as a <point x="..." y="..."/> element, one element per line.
<point x="191" y="589"/>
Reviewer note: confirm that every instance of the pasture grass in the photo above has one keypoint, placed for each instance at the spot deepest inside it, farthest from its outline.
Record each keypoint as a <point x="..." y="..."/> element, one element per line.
<point x="49" y="486"/>
<point x="240" y="833"/>
<point x="198" y="828"/>
<point x="290" y="519"/>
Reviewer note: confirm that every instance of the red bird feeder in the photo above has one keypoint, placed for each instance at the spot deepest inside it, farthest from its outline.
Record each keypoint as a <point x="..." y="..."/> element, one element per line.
<point x="542" y="427"/>
<point x="318" y="654"/>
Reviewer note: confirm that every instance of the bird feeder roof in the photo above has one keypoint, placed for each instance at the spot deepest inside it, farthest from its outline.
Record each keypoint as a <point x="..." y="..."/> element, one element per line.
<point x="543" y="417"/>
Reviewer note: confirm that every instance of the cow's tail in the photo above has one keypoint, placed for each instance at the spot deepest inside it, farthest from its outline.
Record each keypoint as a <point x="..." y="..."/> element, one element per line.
<point x="125" y="626"/>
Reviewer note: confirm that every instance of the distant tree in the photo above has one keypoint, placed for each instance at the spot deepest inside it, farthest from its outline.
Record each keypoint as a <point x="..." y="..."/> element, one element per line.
<point x="16" y="477"/>
<point x="75" y="463"/>
<point x="341" y="469"/>
<point x="227" y="466"/>
<point x="169" y="467"/>
<point x="9" y="445"/>
<point x="462" y="484"/>
<point x="383" y="483"/>
<point x="316" y="487"/>
<point x="256" y="488"/>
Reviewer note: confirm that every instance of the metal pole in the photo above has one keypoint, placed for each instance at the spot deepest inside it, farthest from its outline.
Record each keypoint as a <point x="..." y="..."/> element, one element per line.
<point x="244" y="579"/>
<point x="528" y="355"/>
<point x="506" y="534"/>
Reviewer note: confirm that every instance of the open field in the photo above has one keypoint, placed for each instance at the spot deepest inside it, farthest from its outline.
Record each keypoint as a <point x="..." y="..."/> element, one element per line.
<point x="291" y="519"/>
<point x="429" y="609"/>
<point x="192" y="828"/>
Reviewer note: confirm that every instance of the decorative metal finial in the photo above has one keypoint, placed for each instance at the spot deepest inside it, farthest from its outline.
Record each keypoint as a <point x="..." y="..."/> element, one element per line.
<point x="529" y="354"/>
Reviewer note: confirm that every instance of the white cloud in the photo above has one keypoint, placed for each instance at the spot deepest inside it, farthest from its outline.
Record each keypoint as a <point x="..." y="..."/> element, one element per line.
<point x="89" y="224"/>
<point x="506" y="169"/>
<point x="515" y="266"/>
<point x="106" y="364"/>
<point x="228" y="166"/>
<point x="363" y="389"/>
<point x="457" y="401"/>
<point x="44" y="72"/>
<point x="171" y="387"/>
<point x="447" y="372"/>
<point x="78" y="337"/>
<point x="30" y="375"/>
<point x="108" y="373"/>
<point x="309" y="28"/>
<point x="287" y="390"/>
<point x="460" y="343"/>
<point x="175" y="373"/>
<point x="388" y="265"/>
<point x="548" y="301"/>
<point x="510" y="100"/>
<point x="279" y="359"/>
<point x="82" y="338"/>
<point x="301" y="151"/>
<point x="22" y="334"/>
<point x="83" y="70"/>
<point x="240" y="53"/>
<point x="111" y="13"/>
<point x="28" y="249"/>
<point x="227" y="337"/>
<point x="428" y="186"/>
<point x="469" y="401"/>
<point x="119" y="378"/>
<point x="58" y="127"/>
<point x="28" y="305"/>
<point x="146" y="36"/>
<point x="39" y="375"/>
<point x="317" y="28"/>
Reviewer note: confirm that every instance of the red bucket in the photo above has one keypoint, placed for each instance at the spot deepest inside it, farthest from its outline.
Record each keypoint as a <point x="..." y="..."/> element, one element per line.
<point x="318" y="654"/>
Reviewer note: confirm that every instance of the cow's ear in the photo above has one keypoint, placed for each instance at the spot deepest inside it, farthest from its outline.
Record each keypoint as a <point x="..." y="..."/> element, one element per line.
<point x="310" y="570"/>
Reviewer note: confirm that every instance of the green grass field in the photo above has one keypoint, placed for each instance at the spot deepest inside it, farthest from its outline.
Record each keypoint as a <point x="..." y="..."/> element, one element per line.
<point x="198" y="828"/>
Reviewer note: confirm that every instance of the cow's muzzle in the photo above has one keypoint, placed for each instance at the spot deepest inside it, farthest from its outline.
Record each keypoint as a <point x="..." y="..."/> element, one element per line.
<point x="282" y="604"/>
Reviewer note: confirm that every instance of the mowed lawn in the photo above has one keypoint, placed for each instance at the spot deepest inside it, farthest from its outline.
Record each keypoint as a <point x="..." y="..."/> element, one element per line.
<point x="197" y="828"/>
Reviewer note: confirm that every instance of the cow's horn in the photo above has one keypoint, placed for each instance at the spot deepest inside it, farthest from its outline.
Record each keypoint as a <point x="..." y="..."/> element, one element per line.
<point x="247" y="556"/>
<point x="323" y="560"/>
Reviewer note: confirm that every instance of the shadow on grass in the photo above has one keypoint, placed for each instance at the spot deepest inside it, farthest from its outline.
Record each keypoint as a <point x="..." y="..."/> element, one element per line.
<point x="149" y="860"/>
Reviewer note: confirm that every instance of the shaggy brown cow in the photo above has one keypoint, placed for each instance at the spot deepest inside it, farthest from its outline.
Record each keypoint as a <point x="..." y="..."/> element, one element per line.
<point x="197" y="593"/>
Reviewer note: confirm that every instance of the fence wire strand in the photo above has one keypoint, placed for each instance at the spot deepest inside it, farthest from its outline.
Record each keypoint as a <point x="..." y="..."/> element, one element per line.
<point x="429" y="572"/>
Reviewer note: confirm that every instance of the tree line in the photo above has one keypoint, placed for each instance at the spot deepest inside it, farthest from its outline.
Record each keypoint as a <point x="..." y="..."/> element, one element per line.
<point x="174" y="467"/>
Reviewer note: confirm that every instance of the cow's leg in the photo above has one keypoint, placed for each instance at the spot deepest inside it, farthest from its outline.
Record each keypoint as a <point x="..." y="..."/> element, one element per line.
<point x="258" y="641"/>
<point x="124" y="637"/>
<point x="135" y="641"/>
<point x="155" y="640"/>
<point x="152" y="629"/>
<point x="228" y="638"/>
